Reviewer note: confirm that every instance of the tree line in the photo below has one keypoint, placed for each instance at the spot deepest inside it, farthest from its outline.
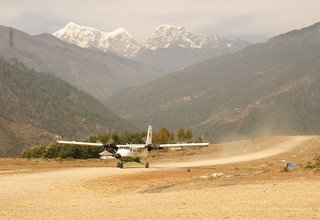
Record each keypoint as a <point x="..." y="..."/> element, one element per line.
<point x="54" y="150"/>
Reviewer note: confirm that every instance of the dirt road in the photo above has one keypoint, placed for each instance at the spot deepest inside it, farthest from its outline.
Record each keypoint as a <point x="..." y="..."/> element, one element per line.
<point x="277" y="149"/>
<point x="69" y="193"/>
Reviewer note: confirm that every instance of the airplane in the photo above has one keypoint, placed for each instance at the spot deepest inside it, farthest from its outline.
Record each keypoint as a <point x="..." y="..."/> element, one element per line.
<point x="131" y="152"/>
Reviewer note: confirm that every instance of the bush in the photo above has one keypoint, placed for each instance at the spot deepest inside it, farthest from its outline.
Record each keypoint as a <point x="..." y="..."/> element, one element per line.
<point x="35" y="151"/>
<point x="53" y="150"/>
<point x="316" y="164"/>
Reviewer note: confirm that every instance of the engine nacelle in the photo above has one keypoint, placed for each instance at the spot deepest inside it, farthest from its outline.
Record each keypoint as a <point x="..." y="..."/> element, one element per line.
<point x="149" y="147"/>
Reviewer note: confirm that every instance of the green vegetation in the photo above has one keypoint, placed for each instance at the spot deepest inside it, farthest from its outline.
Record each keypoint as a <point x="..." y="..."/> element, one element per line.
<point x="184" y="135"/>
<point x="53" y="150"/>
<point x="163" y="136"/>
<point x="37" y="106"/>
<point x="119" y="138"/>
<point x="99" y="74"/>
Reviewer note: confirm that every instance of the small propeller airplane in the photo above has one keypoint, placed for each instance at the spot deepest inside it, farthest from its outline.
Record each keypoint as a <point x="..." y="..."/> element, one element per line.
<point x="131" y="152"/>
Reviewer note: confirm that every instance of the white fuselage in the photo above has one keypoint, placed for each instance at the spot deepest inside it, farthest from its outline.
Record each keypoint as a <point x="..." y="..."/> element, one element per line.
<point x="132" y="150"/>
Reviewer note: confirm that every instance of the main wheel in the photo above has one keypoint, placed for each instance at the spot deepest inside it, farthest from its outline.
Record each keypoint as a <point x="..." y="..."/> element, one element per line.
<point x="119" y="164"/>
<point x="146" y="165"/>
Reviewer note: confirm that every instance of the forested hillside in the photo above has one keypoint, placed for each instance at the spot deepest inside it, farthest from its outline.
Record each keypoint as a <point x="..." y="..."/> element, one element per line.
<point x="36" y="107"/>
<point x="98" y="73"/>
<point x="267" y="88"/>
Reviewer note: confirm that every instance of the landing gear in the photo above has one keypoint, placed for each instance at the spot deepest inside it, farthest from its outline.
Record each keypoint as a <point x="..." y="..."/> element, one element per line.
<point x="137" y="160"/>
<point x="120" y="165"/>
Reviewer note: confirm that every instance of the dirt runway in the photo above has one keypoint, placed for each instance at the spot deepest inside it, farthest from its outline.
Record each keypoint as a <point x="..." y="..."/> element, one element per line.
<point x="161" y="192"/>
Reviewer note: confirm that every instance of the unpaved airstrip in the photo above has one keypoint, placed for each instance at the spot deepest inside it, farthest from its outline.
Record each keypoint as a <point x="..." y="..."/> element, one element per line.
<point x="237" y="180"/>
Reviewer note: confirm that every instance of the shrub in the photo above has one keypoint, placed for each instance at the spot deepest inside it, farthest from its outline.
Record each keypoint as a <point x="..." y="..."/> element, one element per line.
<point x="316" y="164"/>
<point x="35" y="151"/>
<point x="54" y="150"/>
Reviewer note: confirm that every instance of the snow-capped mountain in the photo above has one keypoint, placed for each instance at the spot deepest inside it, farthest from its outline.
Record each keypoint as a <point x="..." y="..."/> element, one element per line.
<point x="167" y="36"/>
<point x="173" y="48"/>
<point x="169" y="47"/>
<point x="118" y="41"/>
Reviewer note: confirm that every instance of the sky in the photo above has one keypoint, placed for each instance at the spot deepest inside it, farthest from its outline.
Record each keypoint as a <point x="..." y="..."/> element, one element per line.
<point x="252" y="20"/>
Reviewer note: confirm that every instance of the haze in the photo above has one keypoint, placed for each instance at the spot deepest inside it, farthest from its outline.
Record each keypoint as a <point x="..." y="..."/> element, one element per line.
<point x="247" y="19"/>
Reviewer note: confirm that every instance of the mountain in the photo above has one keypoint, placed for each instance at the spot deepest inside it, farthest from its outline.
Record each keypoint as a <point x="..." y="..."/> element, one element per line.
<point x="174" y="48"/>
<point x="118" y="41"/>
<point x="37" y="107"/>
<point x="166" y="36"/>
<point x="98" y="73"/>
<point x="169" y="47"/>
<point x="266" y="88"/>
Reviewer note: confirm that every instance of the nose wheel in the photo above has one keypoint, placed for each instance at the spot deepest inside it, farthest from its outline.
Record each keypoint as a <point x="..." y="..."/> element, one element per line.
<point x="120" y="165"/>
<point x="146" y="165"/>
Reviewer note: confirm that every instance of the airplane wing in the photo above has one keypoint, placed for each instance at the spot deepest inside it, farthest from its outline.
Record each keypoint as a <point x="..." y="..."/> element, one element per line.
<point x="184" y="145"/>
<point x="82" y="143"/>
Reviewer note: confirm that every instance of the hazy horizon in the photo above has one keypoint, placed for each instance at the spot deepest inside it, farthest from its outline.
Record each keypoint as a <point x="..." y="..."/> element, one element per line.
<point x="254" y="21"/>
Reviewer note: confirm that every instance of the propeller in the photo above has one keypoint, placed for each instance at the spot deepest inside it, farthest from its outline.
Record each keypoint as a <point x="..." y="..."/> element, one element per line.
<point x="151" y="147"/>
<point x="110" y="146"/>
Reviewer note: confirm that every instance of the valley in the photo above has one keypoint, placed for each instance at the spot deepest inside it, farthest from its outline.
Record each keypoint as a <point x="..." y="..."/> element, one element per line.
<point x="266" y="88"/>
<point x="38" y="107"/>
<point x="98" y="73"/>
<point x="159" y="109"/>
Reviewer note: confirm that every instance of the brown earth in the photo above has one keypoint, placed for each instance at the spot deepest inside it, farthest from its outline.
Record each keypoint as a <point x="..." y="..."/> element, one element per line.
<point x="94" y="189"/>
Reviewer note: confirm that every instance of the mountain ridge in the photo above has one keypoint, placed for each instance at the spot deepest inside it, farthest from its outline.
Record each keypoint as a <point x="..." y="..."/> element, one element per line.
<point x="163" y="37"/>
<point x="169" y="47"/>
<point x="266" y="88"/>
<point x="38" y="107"/>
<point x="100" y="74"/>
<point x="118" y="41"/>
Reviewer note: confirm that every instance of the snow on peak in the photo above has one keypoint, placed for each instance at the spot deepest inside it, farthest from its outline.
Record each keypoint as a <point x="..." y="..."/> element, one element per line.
<point x="167" y="26"/>
<point x="168" y="36"/>
<point x="72" y="24"/>
<point x="119" y="31"/>
<point x="119" y="41"/>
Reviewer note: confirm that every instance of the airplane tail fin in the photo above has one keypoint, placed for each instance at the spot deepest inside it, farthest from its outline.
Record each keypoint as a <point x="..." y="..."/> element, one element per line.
<point x="149" y="136"/>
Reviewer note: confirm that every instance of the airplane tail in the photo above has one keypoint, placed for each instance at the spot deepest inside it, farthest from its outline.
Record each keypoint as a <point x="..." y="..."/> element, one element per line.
<point x="149" y="136"/>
